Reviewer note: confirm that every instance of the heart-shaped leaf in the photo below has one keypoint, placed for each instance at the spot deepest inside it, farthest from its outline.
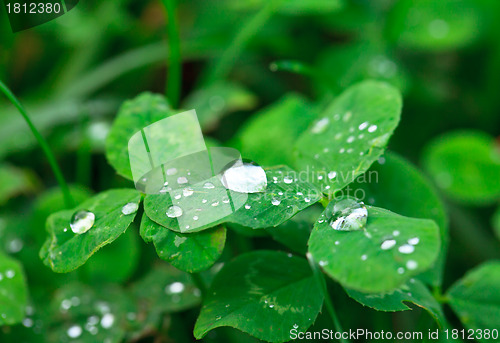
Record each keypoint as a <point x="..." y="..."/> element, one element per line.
<point x="13" y="292"/>
<point x="284" y="196"/>
<point x="132" y="117"/>
<point x="65" y="250"/>
<point x="191" y="252"/>
<point x="386" y="185"/>
<point x="263" y="293"/>
<point x="378" y="258"/>
<point x="414" y="291"/>
<point x="350" y="135"/>
<point x="466" y="166"/>
<point x="476" y="298"/>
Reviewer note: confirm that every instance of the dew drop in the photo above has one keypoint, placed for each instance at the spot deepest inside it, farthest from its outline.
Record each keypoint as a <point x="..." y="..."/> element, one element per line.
<point x="10" y="274"/>
<point x="395" y="233"/>
<point x="177" y="196"/>
<point x="225" y="200"/>
<point x="411" y="265"/>
<point x="75" y="331"/>
<point x="187" y="192"/>
<point x="107" y="320"/>
<point x="320" y="125"/>
<point x="245" y="178"/>
<point x="175" y="288"/>
<point x="208" y="185"/>
<point x="307" y="199"/>
<point x="275" y="202"/>
<point x="323" y="263"/>
<point x="247" y="206"/>
<point x="171" y="171"/>
<point x="182" y="180"/>
<point x="287" y="180"/>
<point x="215" y="203"/>
<point x="348" y="215"/>
<point x="82" y="221"/>
<point x="401" y="270"/>
<point x="332" y="174"/>
<point x="350" y="139"/>
<point x="130" y="208"/>
<point x="414" y="241"/>
<point x="195" y="218"/>
<point x="174" y="212"/>
<point x="372" y="128"/>
<point x="387" y="244"/>
<point x="406" y="249"/>
<point x="204" y="201"/>
<point x="363" y="125"/>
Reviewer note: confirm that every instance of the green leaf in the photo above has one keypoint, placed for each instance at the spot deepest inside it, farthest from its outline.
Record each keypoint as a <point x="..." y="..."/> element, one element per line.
<point x="65" y="251"/>
<point x="435" y="25"/>
<point x="90" y="315"/>
<point x="414" y="291"/>
<point x="164" y="290"/>
<point x="269" y="136"/>
<point x="257" y="211"/>
<point x="356" y="258"/>
<point x="476" y="298"/>
<point x="15" y="181"/>
<point x="295" y="7"/>
<point x="13" y="291"/>
<point x="218" y="100"/>
<point x="132" y="117"/>
<point x="350" y="135"/>
<point x="115" y="262"/>
<point x="465" y="165"/>
<point x="386" y="185"/>
<point x="496" y="223"/>
<point x="263" y="293"/>
<point x="191" y="252"/>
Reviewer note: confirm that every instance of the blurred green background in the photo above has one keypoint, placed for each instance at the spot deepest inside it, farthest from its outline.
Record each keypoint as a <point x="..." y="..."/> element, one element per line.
<point x="73" y="73"/>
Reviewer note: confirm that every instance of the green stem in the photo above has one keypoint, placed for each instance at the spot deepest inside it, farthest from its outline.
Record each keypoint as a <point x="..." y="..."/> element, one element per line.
<point x="174" y="72"/>
<point x="320" y="280"/>
<point x="248" y="30"/>
<point x="43" y="144"/>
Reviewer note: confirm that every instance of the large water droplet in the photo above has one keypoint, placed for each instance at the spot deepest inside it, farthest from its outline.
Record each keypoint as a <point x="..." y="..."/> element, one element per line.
<point x="245" y="178"/>
<point x="130" y="208"/>
<point x="82" y="221"/>
<point x="349" y="215"/>
<point x="174" y="212"/>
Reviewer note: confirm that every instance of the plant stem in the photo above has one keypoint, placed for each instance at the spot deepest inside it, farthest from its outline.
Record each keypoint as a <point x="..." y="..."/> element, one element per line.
<point x="248" y="30"/>
<point x="43" y="144"/>
<point x="320" y="280"/>
<point x="174" y="73"/>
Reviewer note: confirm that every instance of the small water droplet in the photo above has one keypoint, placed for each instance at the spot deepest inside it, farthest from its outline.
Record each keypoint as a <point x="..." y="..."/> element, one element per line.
<point x="348" y="215"/>
<point x="208" y="185"/>
<point x="350" y="139"/>
<point x="372" y="128"/>
<point x="295" y="326"/>
<point x="175" y="288"/>
<point x="401" y="270"/>
<point x="204" y="201"/>
<point x="82" y="221"/>
<point x="275" y="202"/>
<point x="395" y="233"/>
<point x="320" y="126"/>
<point x="195" y="218"/>
<point x="171" y="171"/>
<point x="414" y="241"/>
<point x="364" y="257"/>
<point x="347" y="116"/>
<point x="411" y="265"/>
<point x="215" y="203"/>
<point x="10" y="274"/>
<point x="177" y="196"/>
<point x="74" y="331"/>
<point x="107" y="320"/>
<point x="245" y="178"/>
<point x="332" y="174"/>
<point x="130" y="208"/>
<point x="218" y="317"/>
<point x="174" y="212"/>
<point x="406" y="249"/>
<point x="387" y="244"/>
<point x="271" y="306"/>
<point x="307" y="199"/>
<point x="247" y="206"/>
<point x="225" y="200"/>
<point x="363" y="125"/>
<point x="187" y="192"/>
<point x="182" y="180"/>
<point x="323" y="263"/>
